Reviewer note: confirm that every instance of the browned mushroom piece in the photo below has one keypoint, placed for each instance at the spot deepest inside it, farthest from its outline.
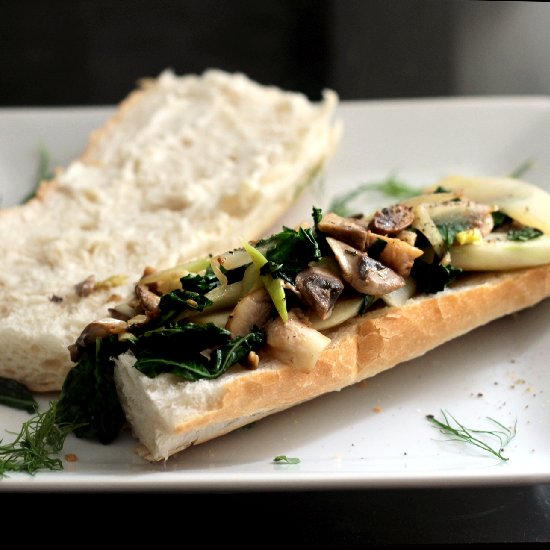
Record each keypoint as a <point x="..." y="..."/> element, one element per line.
<point x="395" y="253"/>
<point x="364" y="274"/>
<point x="254" y="309"/>
<point x="393" y="219"/>
<point x="344" y="229"/>
<point x="319" y="288"/>
<point x="97" y="329"/>
<point x="469" y="213"/>
<point x="148" y="300"/>
<point x="85" y="287"/>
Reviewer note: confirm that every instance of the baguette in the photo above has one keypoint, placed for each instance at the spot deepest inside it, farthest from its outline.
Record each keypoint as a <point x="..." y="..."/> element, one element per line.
<point x="349" y="316"/>
<point x="168" y="415"/>
<point x="186" y="166"/>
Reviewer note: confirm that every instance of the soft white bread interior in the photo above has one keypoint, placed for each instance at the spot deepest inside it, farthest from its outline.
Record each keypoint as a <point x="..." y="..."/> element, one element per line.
<point x="168" y="415"/>
<point x="187" y="166"/>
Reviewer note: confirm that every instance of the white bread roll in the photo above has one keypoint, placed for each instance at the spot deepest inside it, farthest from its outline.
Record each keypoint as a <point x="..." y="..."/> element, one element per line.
<point x="186" y="166"/>
<point x="168" y="414"/>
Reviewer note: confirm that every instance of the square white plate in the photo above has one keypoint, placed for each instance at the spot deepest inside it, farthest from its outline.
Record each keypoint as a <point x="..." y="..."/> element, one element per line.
<point x="375" y="433"/>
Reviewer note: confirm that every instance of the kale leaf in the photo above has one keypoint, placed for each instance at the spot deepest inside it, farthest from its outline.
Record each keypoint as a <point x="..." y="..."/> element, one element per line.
<point x="16" y="395"/>
<point x="523" y="234"/>
<point x="500" y="218"/>
<point x="434" y="277"/>
<point x="200" y="283"/>
<point x="89" y="398"/>
<point x="292" y="251"/>
<point x="449" y="231"/>
<point x="178" y="301"/>
<point x="366" y="303"/>
<point x="186" y="351"/>
<point x="317" y="215"/>
<point x="377" y="248"/>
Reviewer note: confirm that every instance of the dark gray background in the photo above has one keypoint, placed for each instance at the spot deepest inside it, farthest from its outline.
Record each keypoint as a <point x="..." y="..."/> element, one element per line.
<point x="93" y="51"/>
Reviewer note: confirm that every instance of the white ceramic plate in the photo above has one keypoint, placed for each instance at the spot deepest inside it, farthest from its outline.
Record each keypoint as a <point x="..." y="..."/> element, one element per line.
<point x="373" y="434"/>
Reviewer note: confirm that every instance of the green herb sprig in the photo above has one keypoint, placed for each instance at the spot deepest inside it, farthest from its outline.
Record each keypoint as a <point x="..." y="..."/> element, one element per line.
<point x="391" y="187"/>
<point x="286" y="459"/>
<point x="37" y="445"/>
<point x="522" y="169"/>
<point x="44" y="172"/>
<point x="456" y="431"/>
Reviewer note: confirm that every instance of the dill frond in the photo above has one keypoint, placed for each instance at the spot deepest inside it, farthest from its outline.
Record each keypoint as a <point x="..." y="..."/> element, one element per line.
<point x="391" y="187"/>
<point x="456" y="431"/>
<point x="37" y="445"/>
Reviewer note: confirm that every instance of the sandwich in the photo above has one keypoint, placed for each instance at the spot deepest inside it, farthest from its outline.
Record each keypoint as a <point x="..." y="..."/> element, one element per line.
<point x="186" y="165"/>
<point x="211" y="345"/>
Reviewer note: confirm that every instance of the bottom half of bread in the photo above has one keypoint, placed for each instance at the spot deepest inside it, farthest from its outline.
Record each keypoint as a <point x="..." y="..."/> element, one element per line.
<point x="167" y="414"/>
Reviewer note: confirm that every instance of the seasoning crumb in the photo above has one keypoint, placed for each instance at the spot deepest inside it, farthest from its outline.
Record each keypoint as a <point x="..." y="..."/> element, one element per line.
<point x="55" y="299"/>
<point x="405" y="454"/>
<point x="71" y="457"/>
<point x="377" y="409"/>
<point x="479" y="395"/>
<point x="495" y="383"/>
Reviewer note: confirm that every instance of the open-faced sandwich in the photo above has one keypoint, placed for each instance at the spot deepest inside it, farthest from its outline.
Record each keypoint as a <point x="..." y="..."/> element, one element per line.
<point x="211" y="345"/>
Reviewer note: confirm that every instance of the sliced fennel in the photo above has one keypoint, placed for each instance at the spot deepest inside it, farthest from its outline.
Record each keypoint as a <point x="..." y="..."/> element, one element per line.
<point x="497" y="253"/>
<point x="273" y="286"/>
<point x="522" y="201"/>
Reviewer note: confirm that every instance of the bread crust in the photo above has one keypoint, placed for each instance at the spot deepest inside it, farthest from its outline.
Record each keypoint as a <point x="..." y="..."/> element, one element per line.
<point x="359" y="349"/>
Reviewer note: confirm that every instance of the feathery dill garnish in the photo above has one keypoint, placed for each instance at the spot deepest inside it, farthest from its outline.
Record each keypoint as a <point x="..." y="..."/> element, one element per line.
<point x="391" y="187"/>
<point x="43" y="173"/>
<point x="456" y="431"/>
<point x="522" y="169"/>
<point x="37" y="445"/>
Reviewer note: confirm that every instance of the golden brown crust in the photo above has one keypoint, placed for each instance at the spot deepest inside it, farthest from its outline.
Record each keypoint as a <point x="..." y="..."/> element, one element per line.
<point x="366" y="346"/>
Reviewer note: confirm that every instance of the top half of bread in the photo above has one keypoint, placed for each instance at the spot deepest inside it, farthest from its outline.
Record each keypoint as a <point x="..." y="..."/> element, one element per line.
<point x="186" y="166"/>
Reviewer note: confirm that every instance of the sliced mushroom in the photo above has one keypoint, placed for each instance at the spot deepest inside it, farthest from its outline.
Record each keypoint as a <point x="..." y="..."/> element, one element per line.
<point x="364" y="274"/>
<point x="85" y="287"/>
<point x="396" y="253"/>
<point x="122" y="312"/>
<point x="148" y="300"/>
<point x="393" y="219"/>
<point x="294" y="343"/>
<point x="97" y="329"/>
<point x="344" y="229"/>
<point x="319" y="288"/>
<point x="254" y="309"/>
<point x="469" y="213"/>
